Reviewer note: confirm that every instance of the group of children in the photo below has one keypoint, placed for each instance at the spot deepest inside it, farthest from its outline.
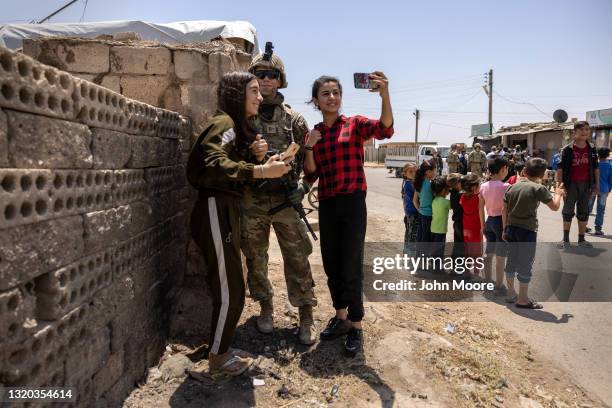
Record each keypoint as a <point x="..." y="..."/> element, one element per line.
<point x="511" y="209"/>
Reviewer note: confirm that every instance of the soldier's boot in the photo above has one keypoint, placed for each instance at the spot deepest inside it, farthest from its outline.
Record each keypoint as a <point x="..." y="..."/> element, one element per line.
<point x="307" y="334"/>
<point x="265" y="320"/>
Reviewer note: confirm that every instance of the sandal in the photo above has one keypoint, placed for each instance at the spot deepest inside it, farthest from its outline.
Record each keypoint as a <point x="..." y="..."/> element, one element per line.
<point x="531" y="305"/>
<point x="233" y="367"/>
<point x="512" y="299"/>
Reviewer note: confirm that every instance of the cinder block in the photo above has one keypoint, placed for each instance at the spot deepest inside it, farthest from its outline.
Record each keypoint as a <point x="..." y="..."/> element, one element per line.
<point x="30" y="250"/>
<point x="116" y="224"/>
<point x="30" y="196"/>
<point x="161" y="179"/>
<point x="109" y="373"/>
<point x="131" y="253"/>
<point x="39" y="359"/>
<point x="40" y="142"/>
<point x="142" y="119"/>
<point x="16" y="314"/>
<point x="128" y="325"/>
<point x="111" y="301"/>
<point x="4" y="162"/>
<point x="78" y="192"/>
<point x="146" y="89"/>
<point x="185" y="132"/>
<point x="128" y="186"/>
<point x="168" y="124"/>
<point x="168" y="231"/>
<point x="165" y="204"/>
<point x="25" y="197"/>
<point x="85" y="361"/>
<point x="144" y="61"/>
<point x="100" y="107"/>
<point x="111" y="149"/>
<point x="29" y="86"/>
<point x="64" y="289"/>
<point x="35" y="361"/>
<point x="146" y="152"/>
<point x="191" y="65"/>
<point x="69" y="54"/>
<point x="105" y="80"/>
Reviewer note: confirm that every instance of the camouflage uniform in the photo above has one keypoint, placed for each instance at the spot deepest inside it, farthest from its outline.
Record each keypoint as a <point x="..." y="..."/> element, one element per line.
<point x="279" y="125"/>
<point x="453" y="161"/>
<point x="477" y="160"/>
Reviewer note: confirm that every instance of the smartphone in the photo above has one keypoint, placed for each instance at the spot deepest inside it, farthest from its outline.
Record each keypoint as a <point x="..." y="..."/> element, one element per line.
<point x="290" y="153"/>
<point x="362" y="81"/>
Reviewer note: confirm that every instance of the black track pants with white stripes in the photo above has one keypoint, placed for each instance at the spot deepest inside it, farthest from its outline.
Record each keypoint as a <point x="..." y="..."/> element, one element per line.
<point x="215" y="227"/>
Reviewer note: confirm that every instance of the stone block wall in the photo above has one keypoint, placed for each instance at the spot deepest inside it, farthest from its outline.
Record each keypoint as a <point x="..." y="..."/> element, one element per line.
<point x="182" y="79"/>
<point x="179" y="78"/>
<point x="93" y="205"/>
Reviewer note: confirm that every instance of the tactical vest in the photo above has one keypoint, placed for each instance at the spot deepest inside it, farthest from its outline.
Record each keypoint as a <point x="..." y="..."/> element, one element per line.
<point x="278" y="132"/>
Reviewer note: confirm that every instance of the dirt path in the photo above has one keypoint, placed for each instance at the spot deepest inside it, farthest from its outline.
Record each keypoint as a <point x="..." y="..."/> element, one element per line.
<point x="410" y="359"/>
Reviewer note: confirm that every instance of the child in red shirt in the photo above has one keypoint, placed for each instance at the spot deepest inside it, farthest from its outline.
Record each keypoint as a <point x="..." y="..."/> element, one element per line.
<point x="472" y="224"/>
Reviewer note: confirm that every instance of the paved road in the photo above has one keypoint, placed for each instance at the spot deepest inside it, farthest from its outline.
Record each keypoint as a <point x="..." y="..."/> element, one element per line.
<point x="576" y="336"/>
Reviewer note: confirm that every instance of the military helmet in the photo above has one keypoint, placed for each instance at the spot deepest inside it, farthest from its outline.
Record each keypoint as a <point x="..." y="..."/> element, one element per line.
<point x="274" y="62"/>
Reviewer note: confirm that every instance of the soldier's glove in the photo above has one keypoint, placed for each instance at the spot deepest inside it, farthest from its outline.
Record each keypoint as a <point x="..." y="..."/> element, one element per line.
<point x="296" y="195"/>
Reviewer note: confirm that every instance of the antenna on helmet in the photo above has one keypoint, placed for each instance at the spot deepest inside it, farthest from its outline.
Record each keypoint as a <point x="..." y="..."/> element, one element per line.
<point x="268" y="52"/>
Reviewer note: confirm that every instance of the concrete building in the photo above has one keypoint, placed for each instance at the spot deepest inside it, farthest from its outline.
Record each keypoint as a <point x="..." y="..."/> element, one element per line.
<point x="545" y="137"/>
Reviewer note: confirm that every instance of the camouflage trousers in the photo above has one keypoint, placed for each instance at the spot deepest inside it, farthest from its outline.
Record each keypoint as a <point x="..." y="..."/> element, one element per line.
<point x="453" y="167"/>
<point x="476" y="168"/>
<point x="294" y="243"/>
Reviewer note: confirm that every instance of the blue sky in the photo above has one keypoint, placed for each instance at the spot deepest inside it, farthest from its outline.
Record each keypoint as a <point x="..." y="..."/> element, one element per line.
<point x="551" y="53"/>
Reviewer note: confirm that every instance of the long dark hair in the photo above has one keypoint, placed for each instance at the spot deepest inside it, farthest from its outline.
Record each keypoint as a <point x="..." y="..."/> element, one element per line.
<point x="420" y="174"/>
<point x="231" y="97"/>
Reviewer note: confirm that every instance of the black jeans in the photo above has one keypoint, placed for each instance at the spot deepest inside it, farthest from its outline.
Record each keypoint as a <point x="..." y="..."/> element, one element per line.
<point x="342" y="223"/>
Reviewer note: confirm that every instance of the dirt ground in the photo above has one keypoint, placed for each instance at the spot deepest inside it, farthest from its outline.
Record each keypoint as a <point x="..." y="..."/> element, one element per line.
<point x="411" y="359"/>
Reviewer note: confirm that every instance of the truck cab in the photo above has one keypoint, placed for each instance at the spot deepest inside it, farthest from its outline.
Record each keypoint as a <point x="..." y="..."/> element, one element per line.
<point x="426" y="153"/>
<point x="416" y="155"/>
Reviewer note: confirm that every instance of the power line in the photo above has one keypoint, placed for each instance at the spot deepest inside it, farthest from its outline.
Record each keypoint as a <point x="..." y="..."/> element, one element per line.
<point x="425" y="88"/>
<point x="443" y="124"/>
<point x="84" y="8"/>
<point x="523" y="103"/>
<point x="441" y="81"/>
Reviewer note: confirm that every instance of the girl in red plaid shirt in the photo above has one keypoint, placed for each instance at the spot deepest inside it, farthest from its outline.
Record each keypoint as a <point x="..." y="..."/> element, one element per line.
<point x="334" y="155"/>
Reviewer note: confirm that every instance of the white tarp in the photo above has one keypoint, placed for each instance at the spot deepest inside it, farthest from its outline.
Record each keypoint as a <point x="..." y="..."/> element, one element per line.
<point x="11" y="35"/>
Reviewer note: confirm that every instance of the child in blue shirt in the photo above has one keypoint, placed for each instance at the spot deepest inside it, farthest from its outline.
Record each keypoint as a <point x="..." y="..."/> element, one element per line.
<point x="411" y="215"/>
<point x="423" y="198"/>
<point x="605" y="185"/>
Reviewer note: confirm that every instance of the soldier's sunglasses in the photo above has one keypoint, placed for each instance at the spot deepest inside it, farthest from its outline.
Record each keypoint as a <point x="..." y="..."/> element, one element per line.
<point x="271" y="73"/>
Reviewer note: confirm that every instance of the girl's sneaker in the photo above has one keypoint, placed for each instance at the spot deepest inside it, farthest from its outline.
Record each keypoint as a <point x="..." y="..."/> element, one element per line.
<point x="598" y="232"/>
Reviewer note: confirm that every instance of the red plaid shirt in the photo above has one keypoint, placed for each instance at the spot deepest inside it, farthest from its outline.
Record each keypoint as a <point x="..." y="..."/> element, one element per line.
<point x="339" y="154"/>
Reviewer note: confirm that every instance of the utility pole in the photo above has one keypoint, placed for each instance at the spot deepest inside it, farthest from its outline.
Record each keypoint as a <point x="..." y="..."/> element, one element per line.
<point x="491" y="100"/>
<point x="416" y="130"/>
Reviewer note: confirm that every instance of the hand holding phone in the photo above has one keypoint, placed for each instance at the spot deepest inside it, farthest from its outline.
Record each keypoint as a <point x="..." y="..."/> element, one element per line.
<point x="362" y="81"/>
<point x="288" y="155"/>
